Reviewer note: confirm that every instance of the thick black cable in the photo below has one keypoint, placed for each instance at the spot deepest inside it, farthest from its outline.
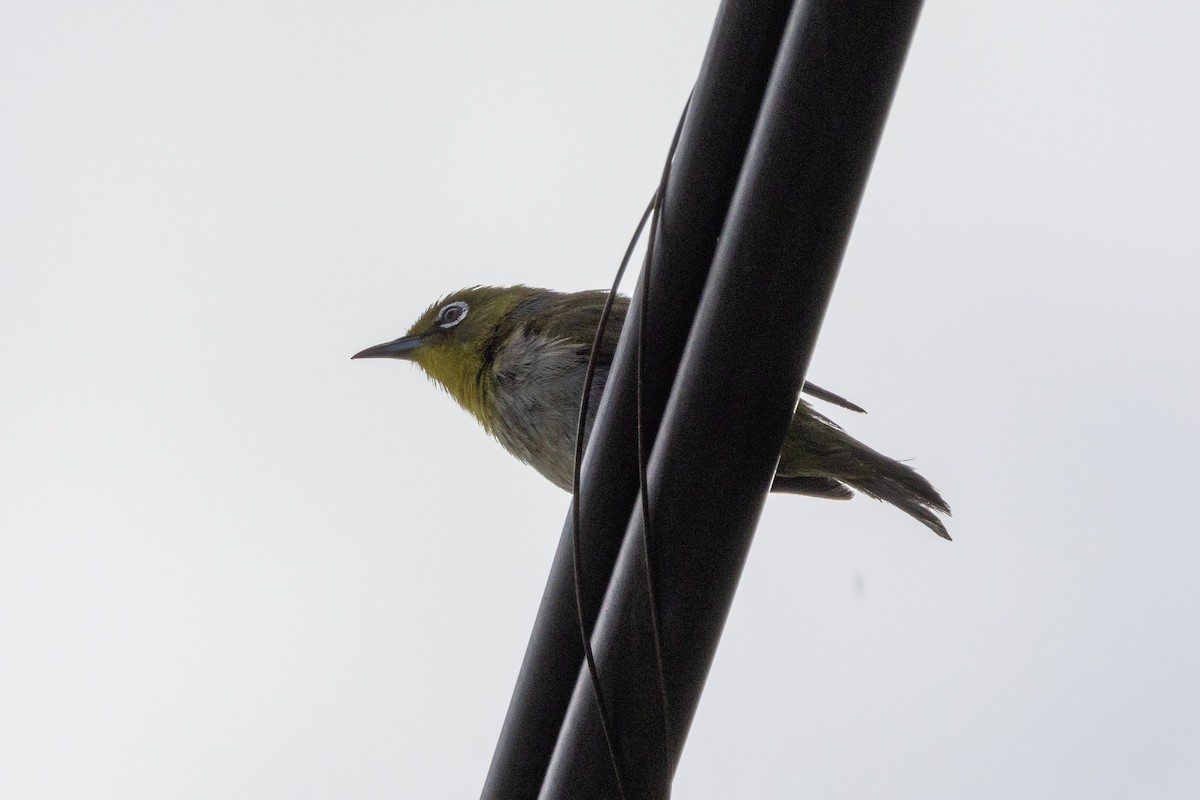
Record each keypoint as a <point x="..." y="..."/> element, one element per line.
<point x="747" y="354"/>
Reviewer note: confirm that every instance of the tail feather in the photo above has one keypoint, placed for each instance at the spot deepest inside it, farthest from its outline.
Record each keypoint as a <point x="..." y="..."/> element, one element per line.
<point x="818" y="448"/>
<point x="901" y="486"/>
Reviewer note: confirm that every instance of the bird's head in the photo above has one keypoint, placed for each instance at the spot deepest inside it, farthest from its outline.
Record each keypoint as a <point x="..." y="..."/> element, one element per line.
<point x="456" y="337"/>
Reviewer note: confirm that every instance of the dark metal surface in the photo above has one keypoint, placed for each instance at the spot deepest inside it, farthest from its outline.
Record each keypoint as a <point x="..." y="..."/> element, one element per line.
<point x="716" y="133"/>
<point x="736" y="387"/>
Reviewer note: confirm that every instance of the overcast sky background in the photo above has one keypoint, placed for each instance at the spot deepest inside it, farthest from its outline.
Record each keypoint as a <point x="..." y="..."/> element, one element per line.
<point x="233" y="564"/>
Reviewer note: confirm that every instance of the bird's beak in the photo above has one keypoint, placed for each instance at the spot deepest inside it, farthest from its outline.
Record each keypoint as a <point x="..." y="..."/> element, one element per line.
<point x="401" y="348"/>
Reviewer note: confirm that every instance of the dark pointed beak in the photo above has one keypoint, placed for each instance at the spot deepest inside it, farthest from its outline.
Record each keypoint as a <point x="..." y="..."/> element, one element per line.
<point x="401" y="348"/>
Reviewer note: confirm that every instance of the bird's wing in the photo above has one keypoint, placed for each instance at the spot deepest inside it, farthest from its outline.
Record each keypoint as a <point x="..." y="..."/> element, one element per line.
<point x="573" y="317"/>
<point x="830" y="397"/>
<point x="567" y="315"/>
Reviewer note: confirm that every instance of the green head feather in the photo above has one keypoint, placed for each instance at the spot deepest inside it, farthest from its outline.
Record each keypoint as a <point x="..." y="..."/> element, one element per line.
<point x="456" y="339"/>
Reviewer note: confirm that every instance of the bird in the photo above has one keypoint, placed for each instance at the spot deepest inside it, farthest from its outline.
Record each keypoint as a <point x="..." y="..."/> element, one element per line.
<point x="515" y="358"/>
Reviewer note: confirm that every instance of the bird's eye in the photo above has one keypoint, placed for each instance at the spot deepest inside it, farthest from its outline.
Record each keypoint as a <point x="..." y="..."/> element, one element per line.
<point x="451" y="314"/>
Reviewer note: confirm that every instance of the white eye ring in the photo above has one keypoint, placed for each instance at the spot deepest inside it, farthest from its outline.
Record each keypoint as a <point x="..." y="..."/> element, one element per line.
<point x="452" y="313"/>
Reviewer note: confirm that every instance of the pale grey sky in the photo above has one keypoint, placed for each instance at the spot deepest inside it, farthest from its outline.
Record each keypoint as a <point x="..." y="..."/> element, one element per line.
<point x="235" y="564"/>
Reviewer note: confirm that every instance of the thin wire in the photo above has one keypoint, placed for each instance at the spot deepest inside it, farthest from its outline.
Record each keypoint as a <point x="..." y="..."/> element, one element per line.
<point x="576" y="518"/>
<point x="654" y="207"/>
<point x="644" y="456"/>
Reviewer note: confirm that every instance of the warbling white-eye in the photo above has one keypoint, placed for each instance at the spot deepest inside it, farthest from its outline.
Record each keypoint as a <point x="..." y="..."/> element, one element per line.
<point x="515" y="357"/>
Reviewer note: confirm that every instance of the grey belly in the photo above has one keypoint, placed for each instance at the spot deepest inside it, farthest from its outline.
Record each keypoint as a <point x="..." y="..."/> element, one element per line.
<point x="538" y="419"/>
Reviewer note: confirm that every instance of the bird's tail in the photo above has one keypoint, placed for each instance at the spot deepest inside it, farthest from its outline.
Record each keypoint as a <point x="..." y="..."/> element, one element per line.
<point x="816" y="447"/>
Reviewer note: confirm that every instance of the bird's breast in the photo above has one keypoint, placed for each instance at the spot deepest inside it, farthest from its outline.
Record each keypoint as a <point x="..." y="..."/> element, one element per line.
<point x="536" y="387"/>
